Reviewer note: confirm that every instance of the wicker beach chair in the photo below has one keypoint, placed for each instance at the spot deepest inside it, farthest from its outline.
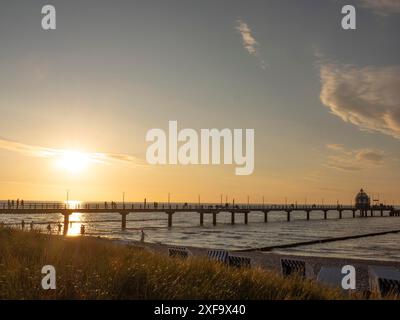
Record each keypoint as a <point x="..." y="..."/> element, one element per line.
<point x="331" y="276"/>
<point x="239" y="262"/>
<point x="179" y="252"/>
<point x="384" y="280"/>
<point x="218" y="255"/>
<point x="291" y="267"/>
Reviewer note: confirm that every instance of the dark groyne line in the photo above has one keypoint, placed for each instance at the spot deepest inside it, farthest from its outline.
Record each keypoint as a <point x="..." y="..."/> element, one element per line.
<point x="311" y="242"/>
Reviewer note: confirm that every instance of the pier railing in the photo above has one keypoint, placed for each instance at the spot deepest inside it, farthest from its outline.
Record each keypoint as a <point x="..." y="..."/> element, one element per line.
<point x="114" y="206"/>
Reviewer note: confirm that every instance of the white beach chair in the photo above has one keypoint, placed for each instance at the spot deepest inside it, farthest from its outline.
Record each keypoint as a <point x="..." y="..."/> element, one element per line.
<point x="384" y="280"/>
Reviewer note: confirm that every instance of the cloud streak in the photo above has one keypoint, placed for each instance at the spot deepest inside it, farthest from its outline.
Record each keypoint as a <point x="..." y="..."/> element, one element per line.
<point x="250" y="44"/>
<point x="353" y="160"/>
<point x="44" y="152"/>
<point x="367" y="97"/>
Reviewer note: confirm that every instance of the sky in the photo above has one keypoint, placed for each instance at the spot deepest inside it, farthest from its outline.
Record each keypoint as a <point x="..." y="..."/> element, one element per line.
<point x="76" y="102"/>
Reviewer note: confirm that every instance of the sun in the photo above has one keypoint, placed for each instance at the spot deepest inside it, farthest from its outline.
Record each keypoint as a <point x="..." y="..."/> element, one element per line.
<point x="73" y="161"/>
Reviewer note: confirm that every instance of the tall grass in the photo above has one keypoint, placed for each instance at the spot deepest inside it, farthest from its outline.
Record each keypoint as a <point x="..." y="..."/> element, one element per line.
<point x="92" y="269"/>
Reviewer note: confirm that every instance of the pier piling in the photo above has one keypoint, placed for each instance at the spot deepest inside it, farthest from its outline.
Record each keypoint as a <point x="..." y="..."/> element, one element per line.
<point x="66" y="222"/>
<point x="246" y="218"/>
<point x="201" y="219"/>
<point x="214" y="218"/>
<point x="123" y="221"/>
<point x="232" y="217"/>
<point x="170" y="219"/>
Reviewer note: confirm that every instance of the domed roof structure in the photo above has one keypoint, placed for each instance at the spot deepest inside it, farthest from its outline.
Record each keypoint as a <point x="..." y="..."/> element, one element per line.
<point x="363" y="201"/>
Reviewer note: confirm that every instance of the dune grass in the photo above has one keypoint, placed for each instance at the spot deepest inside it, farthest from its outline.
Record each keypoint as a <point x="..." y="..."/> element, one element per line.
<point x="92" y="269"/>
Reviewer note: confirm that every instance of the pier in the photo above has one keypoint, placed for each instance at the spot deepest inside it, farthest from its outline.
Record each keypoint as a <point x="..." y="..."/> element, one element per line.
<point x="237" y="212"/>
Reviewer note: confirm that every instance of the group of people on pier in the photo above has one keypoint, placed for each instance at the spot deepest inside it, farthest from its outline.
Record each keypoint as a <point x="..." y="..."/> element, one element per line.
<point x="15" y="204"/>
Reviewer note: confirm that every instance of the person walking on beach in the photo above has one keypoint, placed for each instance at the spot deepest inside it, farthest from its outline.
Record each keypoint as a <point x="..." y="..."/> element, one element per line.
<point x="49" y="228"/>
<point x="82" y="229"/>
<point x="142" y="236"/>
<point x="22" y="224"/>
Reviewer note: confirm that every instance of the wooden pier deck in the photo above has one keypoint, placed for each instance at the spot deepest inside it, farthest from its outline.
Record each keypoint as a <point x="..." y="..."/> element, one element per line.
<point x="171" y="209"/>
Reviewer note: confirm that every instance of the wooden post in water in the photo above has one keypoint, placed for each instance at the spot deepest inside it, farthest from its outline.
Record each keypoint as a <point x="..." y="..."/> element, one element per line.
<point x="232" y="217"/>
<point x="308" y="214"/>
<point x="170" y="213"/>
<point x="66" y="223"/>
<point x="246" y="218"/>
<point x="340" y="214"/>
<point x="123" y="221"/>
<point x="265" y="216"/>
<point x="354" y="213"/>
<point x="325" y="214"/>
<point x="214" y="218"/>
<point x="201" y="218"/>
<point x="288" y="215"/>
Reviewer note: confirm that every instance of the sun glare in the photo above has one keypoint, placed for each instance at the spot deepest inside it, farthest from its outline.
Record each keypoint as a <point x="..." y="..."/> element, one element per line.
<point x="73" y="161"/>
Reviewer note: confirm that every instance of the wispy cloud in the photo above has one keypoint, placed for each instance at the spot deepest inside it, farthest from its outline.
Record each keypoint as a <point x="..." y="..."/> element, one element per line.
<point x="249" y="42"/>
<point x="382" y="7"/>
<point x="367" y="97"/>
<point x="44" y="152"/>
<point x="353" y="160"/>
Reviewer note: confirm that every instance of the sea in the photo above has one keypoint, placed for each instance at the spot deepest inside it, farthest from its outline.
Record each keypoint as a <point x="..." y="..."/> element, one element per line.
<point x="186" y="231"/>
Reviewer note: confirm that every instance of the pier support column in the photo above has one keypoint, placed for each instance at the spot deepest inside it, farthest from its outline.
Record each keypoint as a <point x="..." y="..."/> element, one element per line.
<point x="246" y="218"/>
<point x="381" y="213"/>
<point x="288" y="216"/>
<point x="325" y="214"/>
<point x="354" y="213"/>
<point x="170" y="219"/>
<point x="340" y="214"/>
<point x="201" y="219"/>
<point x="232" y="218"/>
<point x="214" y="218"/>
<point x="265" y="216"/>
<point x="308" y="214"/>
<point x="123" y="220"/>
<point x="372" y="213"/>
<point x="66" y="222"/>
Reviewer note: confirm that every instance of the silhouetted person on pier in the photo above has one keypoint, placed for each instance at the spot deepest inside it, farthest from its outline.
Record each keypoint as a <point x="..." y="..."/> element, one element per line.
<point x="12" y="203"/>
<point x="82" y="229"/>
<point x="23" y="224"/>
<point x="22" y="203"/>
<point x="59" y="227"/>
<point x="49" y="228"/>
<point x="17" y="203"/>
<point x="105" y="204"/>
